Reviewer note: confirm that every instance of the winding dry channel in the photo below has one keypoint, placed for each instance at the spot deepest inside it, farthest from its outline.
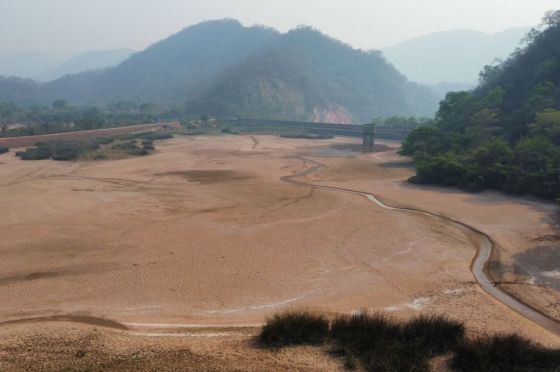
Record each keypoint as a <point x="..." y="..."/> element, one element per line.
<point x="479" y="263"/>
<point x="478" y="268"/>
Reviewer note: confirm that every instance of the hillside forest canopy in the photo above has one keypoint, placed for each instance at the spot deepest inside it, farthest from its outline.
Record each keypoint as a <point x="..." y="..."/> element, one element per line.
<point x="505" y="134"/>
<point x="224" y="69"/>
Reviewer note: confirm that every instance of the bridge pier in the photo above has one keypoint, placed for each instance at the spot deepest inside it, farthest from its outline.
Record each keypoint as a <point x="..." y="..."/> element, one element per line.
<point x="369" y="137"/>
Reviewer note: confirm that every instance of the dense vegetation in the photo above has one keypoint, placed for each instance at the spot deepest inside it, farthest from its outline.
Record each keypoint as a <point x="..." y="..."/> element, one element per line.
<point x="97" y="149"/>
<point x="63" y="117"/>
<point x="378" y="343"/>
<point x="294" y="328"/>
<point x="171" y="70"/>
<point x="61" y="151"/>
<point x="402" y="122"/>
<point x="222" y="68"/>
<point x="504" y="135"/>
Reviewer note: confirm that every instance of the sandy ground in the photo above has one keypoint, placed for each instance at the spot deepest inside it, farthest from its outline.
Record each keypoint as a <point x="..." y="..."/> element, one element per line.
<point x="204" y="233"/>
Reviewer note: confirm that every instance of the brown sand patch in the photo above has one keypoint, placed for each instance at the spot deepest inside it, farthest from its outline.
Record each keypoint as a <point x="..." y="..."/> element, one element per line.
<point x="207" y="176"/>
<point x="31" y="276"/>
<point x="73" y="347"/>
<point x="220" y="250"/>
<point x="77" y="318"/>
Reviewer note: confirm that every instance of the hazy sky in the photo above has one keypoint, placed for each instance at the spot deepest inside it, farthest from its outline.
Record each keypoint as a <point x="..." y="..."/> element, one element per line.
<point x="71" y="26"/>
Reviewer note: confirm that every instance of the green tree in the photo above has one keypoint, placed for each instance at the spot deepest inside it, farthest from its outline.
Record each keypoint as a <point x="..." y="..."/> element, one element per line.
<point x="547" y="125"/>
<point x="60" y="104"/>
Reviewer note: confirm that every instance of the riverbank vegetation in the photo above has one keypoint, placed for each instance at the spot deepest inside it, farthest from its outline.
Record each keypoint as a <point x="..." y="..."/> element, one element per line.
<point x="96" y="149"/>
<point x="63" y="117"/>
<point x="504" y="135"/>
<point x="375" y="342"/>
<point x="402" y="122"/>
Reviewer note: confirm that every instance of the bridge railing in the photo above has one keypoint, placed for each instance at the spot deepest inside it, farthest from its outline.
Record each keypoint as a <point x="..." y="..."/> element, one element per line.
<point x="343" y="130"/>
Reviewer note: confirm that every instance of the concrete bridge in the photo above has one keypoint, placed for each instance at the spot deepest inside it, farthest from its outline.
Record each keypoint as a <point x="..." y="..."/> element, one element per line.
<point x="366" y="131"/>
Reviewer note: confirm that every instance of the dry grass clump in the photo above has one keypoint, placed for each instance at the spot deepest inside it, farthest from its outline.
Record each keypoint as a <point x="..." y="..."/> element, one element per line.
<point x="376" y="342"/>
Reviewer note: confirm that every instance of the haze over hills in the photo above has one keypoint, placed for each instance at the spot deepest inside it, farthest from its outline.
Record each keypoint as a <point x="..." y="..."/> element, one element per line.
<point x="27" y="64"/>
<point x="452" y="56"/>
<point x="85" y="62"/>
<point x="46" y="67"/>
<point x="223" y="68"/>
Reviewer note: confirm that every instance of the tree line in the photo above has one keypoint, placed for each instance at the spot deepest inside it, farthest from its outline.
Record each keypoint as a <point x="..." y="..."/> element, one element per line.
<point x="59" y="117"/>
<point x="505" y="134"/>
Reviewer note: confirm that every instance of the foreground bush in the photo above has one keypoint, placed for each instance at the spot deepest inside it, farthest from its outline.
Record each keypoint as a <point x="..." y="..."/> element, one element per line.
<point x="4" y="150"/>
<point x="505" y="353"/>
<point x="376" y="342"/>
<point x="294" y="328"/>
<point x="433" y="334"/>
<point x="380" y="343"/>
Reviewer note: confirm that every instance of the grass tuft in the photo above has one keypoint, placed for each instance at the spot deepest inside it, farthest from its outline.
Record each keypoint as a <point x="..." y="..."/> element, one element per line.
<point x="376" y="342"/>
<point x="505" y="353"/>
<point x="295" y="328"/>
<point x="433" y="334"/>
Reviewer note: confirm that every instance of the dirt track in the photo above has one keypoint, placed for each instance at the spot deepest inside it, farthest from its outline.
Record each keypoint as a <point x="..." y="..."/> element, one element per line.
<point x="479" y="265"/>
<point x="204" y="233"/>
<point x="13" y="142"/>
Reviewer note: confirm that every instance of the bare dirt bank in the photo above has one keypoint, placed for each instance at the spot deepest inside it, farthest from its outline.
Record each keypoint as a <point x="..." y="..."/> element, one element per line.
<point x="204" y="232"/>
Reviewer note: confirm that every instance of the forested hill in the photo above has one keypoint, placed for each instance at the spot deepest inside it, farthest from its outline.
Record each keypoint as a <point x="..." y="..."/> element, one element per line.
<point x="171" y="70"/>
<point x="505" y="134"/>
<point x="223" y="68"/>
<point x="307" y="75"/>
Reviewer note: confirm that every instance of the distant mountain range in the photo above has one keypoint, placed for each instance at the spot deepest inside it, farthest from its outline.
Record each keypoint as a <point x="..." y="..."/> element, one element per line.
<point x="452" y="56"/>
<point x="46" y="67"/>
<point x="27" y="64"/>
<point x="85" y="62"/>
<point x="223" y="68"/>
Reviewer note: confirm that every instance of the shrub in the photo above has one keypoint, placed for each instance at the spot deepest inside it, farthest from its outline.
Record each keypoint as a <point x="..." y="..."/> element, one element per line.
<point x="376" y="342"/>
<point x="4" y="150"/>
<point x="230" y="131"/>
<point x="505" y="353"/>
<point x="126" y="146"/>
<point x="61" y="151"/>
<point x="307" y="136"/>
<point x="36" y="153"/>
<point x="104" y="141"/>
<point x="155" y="136"/>
<point x="433" y="334"/>
<point x="294" y="328"/>
<point x="67" y="153"/>
<point x="363" y="331"/>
